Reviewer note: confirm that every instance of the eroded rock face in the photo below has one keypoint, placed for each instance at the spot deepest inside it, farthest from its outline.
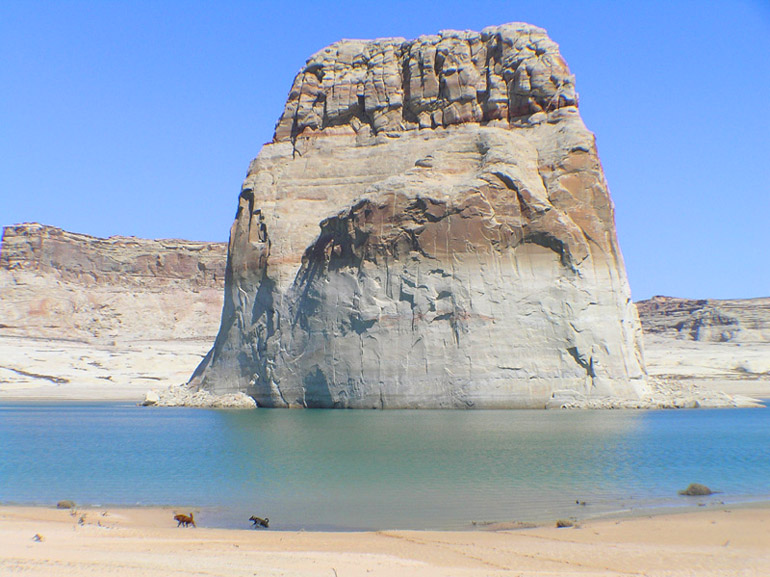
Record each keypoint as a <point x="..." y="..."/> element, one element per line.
<point x="430" y="228"/>
<point x="391" y="85"/>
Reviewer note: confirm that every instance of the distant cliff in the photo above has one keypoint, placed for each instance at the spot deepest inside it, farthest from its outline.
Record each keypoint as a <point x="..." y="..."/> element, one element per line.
<point x="114" y="260"/>
<point x="708" y="320"/>
<point x="64" y="285"/>
<point x="721" y="344"/>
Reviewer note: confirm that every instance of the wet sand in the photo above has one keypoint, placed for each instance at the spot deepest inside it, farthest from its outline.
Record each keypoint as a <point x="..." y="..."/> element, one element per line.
<point x="146" y="542"/>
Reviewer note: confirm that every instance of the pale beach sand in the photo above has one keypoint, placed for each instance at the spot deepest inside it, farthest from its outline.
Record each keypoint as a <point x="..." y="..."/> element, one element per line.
<point x="146" y="542"/>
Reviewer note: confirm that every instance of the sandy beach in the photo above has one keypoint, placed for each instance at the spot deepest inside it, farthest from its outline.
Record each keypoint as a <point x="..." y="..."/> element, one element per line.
<point x="147" y="543"/>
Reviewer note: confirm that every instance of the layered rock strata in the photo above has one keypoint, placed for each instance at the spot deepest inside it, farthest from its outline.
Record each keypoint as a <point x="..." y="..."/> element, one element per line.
<point x="73" y="257"/>
<point x="429" y="228"/>
<point x="720" y="344"/>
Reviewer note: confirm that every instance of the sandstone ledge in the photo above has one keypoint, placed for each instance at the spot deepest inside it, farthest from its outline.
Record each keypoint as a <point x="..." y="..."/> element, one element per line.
<point x="118" y="260"/>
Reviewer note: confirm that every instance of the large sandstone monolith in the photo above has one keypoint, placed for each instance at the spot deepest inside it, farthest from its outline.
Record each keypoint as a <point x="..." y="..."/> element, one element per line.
<point x="430" y="227"/>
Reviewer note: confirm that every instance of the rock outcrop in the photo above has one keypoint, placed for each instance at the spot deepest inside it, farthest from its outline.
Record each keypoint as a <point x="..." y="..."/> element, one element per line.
<point x="430" y="227"/>
<point x="104" y="335"/>
<point x="60" y="284"/>
<point x="182" y="396"/>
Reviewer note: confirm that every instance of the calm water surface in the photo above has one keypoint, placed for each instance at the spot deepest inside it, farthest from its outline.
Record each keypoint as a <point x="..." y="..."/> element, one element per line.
<point x="322" y="469"/>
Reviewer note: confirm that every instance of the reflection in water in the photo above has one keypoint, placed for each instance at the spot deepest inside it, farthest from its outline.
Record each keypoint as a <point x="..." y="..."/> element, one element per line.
<point x="322" y="469"/>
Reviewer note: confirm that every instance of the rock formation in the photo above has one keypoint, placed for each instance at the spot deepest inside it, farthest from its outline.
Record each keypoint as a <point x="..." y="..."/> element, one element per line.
<point x="75" y="323"/>
<point x="61" y="284"/>
<point x="430" y="227"/>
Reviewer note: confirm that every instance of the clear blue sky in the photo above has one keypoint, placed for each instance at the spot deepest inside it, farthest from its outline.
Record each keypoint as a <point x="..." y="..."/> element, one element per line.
<point x="140" y="118"/>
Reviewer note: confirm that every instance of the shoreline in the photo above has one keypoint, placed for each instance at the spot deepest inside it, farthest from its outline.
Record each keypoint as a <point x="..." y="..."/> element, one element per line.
<point x="205" y="513"/>
<point x="207" y="517"/>
<point x="132" y="395"/>
<point x="145" y="542"/>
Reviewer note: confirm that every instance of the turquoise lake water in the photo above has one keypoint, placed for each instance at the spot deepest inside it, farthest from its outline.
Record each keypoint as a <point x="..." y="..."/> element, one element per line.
<point x="339" y="470"/>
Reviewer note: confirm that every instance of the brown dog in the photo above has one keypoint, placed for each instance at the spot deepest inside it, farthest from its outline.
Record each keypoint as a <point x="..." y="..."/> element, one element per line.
<point x="184" y="520"/>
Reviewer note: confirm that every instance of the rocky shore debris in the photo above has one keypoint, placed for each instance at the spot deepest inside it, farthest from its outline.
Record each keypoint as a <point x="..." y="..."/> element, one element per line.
<point x="696" y="490"/>
<point x="665" y="394"/>
<point x="564" y="523"/>
<point x="184" y="396"/>
<point x="151" y="399"/>
<point x="66" y="504"/>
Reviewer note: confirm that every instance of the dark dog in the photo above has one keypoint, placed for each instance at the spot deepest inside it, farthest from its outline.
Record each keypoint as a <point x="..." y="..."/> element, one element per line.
<point x="259" y="521"/>
<point x="184" y="520"/>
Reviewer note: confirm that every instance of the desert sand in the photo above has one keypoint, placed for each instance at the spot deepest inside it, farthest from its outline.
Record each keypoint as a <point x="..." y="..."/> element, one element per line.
<point x="146" y="542"/>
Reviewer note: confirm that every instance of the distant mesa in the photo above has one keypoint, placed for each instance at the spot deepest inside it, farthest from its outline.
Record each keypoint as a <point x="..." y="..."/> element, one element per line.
<point x="76" y="287"/>
<point x="115" y="260"/>
<point x="430" y="228"/>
